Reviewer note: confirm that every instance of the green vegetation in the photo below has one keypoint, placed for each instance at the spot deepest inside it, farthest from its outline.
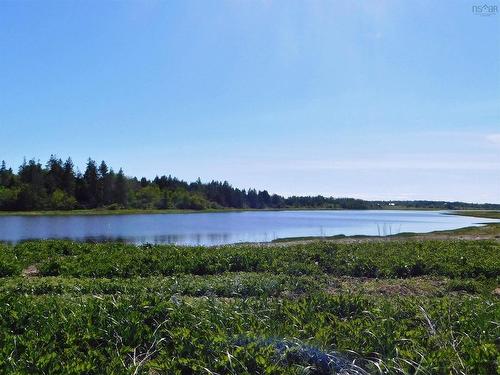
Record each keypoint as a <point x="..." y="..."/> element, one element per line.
<point x="491" y="230"/>
<point x="479" y="213"/>
<point x="103" y="211"/>
<point x="57" y="187"/>
<point x="317" y="308"/>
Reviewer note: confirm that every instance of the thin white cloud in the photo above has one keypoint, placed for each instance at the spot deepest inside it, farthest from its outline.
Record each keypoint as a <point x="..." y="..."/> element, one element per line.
<point x="493" y="138"/>
<point x="375" y="35"/>
<point x="385" y="164"/>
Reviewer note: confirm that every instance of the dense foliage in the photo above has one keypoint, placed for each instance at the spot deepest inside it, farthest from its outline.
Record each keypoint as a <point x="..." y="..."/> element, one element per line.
<point x="58" y="186"/>
<point x="114" y="308"/>
<point x="401" y="259"/>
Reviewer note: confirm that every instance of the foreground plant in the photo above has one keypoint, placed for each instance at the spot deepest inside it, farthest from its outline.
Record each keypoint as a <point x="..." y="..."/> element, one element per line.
<point x="316" y="309"/>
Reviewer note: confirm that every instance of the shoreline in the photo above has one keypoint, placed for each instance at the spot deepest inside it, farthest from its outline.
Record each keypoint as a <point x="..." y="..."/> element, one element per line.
<point x="480" y="232"/>
<point x="483" y="232"/>
<point x="102" y="212"/>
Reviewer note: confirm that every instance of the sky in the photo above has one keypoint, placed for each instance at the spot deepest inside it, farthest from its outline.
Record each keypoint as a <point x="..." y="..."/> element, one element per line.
<point x="367" y="99"/>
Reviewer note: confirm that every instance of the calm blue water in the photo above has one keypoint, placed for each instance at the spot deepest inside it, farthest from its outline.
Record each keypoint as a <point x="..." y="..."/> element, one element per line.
<point x="227" y="227"/>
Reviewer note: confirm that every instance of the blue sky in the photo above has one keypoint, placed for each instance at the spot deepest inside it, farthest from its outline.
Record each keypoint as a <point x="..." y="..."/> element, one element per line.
<point x="369" y="99"/>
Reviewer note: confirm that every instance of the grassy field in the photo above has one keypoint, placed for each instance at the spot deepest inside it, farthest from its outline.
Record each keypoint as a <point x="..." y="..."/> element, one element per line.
<point x="318" y="308"/>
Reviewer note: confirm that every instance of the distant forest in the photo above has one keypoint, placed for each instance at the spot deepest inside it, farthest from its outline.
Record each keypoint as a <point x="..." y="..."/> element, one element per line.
<point x="59" y="186"/>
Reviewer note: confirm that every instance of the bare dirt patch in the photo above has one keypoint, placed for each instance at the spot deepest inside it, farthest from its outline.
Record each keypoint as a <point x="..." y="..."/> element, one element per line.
<point x="31" y="271"/>
<point x="418" y="286"/>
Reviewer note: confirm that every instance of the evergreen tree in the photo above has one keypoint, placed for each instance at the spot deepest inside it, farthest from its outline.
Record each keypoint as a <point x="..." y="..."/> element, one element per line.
<point x="3" y="174"/>
<point x="6" y="176"/>
<point x="32" y="194"/>
<point x="121" y="192"/>
<point x="80" y="189"/>
<point x="55" y="172"/>
<point x="108" y="186"/>
<point x="253" y="200"/>
<point x="68" y="178"/>
<point x="102" y="179"/>
<point x="264" y="199"/>
<point x="91" y="178"/>
<point x="277" y="201"/>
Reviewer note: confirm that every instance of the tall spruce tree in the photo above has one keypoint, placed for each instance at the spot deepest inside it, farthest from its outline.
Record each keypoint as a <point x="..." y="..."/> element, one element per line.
<point x="54" y="176"/>
<point x="121" y="189"/>
<point x="68" y="178"/>
<point x="91" y="178"/>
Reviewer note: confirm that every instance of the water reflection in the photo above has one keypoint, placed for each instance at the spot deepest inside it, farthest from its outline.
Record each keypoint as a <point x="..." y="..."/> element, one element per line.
<point x="227" y="227"/>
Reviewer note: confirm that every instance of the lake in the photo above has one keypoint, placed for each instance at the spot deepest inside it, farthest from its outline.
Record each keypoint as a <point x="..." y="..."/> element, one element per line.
<point x="227" y="227"/>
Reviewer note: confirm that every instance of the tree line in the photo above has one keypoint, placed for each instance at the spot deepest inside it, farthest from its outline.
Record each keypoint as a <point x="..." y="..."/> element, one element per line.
<point x="58" y="185"/>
